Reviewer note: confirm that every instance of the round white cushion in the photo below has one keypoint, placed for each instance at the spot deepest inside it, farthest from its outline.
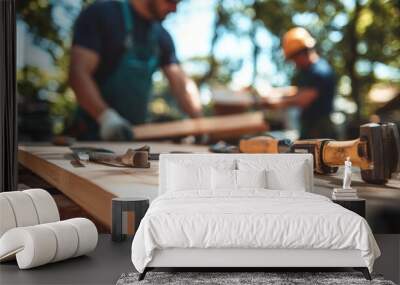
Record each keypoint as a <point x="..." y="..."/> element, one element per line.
<point x="33" y="246"/>
<point x="66" y="238"/>
<point x="87" y="233"/>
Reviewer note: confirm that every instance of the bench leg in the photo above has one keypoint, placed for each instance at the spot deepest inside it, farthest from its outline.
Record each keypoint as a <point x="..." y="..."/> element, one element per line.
<point x="364" y="271"/>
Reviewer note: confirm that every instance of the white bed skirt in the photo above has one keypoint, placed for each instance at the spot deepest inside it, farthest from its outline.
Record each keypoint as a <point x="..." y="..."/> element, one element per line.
<point x="190" y="257"/>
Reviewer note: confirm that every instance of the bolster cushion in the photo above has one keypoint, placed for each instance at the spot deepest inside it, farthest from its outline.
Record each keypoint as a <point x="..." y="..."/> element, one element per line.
<point x="40" y="244"/>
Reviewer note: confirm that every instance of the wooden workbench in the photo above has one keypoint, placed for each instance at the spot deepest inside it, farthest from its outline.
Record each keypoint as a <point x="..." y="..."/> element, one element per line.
<point x="92" y="187"/>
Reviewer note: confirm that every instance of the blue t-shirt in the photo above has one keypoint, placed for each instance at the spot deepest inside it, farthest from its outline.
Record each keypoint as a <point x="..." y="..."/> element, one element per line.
<point x="320" y="76"/>
<point x="100" y="28"/>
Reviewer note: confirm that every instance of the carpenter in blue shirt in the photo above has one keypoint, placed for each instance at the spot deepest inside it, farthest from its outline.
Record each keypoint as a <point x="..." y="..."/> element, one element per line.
<point x="117" y="46"/>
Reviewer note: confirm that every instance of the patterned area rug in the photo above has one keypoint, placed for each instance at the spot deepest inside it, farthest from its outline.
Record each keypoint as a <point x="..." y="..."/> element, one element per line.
<point x="230" y="278"/>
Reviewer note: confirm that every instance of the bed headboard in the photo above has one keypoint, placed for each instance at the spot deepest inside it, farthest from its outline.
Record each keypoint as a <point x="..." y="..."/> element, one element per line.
<point x="277" y="160"/>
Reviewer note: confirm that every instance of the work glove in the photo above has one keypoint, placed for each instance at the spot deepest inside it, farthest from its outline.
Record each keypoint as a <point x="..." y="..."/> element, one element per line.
<point x="113" y="127"/>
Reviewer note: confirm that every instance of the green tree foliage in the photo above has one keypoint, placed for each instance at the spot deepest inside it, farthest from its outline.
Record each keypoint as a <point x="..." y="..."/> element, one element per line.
<point x="355" y="36"/>
<point x="44" y="92"/>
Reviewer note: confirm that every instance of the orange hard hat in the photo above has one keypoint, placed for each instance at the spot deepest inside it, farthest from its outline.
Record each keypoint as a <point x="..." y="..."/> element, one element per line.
<point x="295" y="40"/>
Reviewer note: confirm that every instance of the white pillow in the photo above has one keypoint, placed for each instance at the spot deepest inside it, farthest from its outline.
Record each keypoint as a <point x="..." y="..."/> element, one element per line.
<point x="188" y="177"/>
<point x="280" y="180"/>
<point x="282" y="173"/>
<point x="223" y="179"/>
<point x="251" y="178"/>
<point x="226" y="179"/>
<point x="195" y="174"/>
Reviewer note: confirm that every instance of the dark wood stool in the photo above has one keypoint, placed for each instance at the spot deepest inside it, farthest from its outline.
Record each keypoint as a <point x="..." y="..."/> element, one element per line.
<point x="355" y="205"/>
<point x="129" y="204"/>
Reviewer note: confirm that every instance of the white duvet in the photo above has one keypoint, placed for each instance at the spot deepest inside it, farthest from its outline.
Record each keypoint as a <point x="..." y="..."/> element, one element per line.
<point x="250" y="219"/>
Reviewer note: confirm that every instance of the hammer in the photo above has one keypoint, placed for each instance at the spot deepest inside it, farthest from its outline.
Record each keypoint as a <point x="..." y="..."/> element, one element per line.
<point x="264" y="144"/>
<point x="376" y="152"/>
<point x="132" y="158"/>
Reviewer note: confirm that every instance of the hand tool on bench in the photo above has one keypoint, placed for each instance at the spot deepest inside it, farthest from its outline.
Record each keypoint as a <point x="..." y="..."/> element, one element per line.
<point x="258" y="144"/>
<point x="132" y="158"/>
<point x="376" y="152"/>
<point x="223" y="147"/>
<point x="264" y="144"/>
<point x="137" y="158"/>
<point x="81" y="154"/>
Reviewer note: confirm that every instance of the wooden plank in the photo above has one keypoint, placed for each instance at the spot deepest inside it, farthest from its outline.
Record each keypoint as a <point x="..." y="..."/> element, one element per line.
<point x="88" y="195"/>
<point x="228" y="126"/>
<point x="92" y="187"/>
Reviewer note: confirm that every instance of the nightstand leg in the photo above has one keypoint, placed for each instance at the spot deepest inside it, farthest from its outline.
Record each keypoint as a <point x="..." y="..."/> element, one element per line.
<point x="116" y="229"/>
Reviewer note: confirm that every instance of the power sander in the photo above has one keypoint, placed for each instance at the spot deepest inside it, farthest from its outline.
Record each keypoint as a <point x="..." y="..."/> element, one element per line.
<point x="376" y="152"/>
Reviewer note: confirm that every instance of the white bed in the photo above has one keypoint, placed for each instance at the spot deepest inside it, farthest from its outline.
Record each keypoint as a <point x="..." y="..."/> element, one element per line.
<point x="215" y="224"/>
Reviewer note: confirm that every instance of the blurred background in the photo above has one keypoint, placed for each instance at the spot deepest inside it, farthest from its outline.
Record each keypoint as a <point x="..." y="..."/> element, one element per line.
<point x="225" y="45"/>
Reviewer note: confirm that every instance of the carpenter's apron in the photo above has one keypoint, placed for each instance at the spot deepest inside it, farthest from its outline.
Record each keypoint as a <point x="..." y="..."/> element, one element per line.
<point x="129" y="87"/>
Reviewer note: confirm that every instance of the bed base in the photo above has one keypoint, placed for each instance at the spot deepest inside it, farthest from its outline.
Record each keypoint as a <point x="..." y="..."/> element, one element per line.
<point x="250" y="259"/>
<point x="363" y="270"/>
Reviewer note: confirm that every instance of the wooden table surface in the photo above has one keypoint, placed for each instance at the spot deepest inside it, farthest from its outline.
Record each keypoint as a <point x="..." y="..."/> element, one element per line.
<point x="92" y="187"/>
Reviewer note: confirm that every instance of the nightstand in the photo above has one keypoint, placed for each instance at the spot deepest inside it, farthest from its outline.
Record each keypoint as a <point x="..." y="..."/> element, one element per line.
<point x="355" y="205"/>
<point x="120" y="206"/>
